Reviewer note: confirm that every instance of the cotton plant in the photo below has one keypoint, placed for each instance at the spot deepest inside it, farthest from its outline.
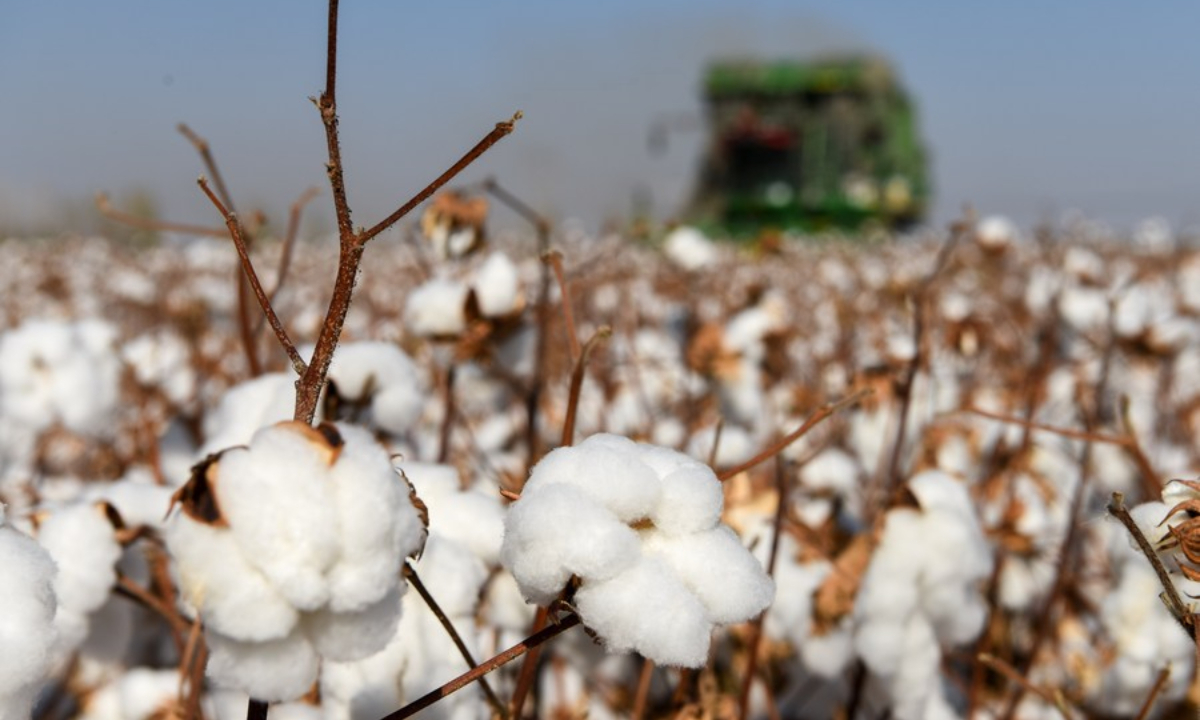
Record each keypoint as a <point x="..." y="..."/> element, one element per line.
<point x="921" y="591"/>
<point x="630" y="536"/>
<point x="290" y="551"/>
<point x="27" y="632"/>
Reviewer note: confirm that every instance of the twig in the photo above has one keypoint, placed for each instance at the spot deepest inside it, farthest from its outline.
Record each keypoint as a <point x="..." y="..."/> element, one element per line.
<point x="235" y="232"/>
<point x="498" y="133"/>
<point x="1151" y="485"/>
<point x="1159" y="683"/>
<point x="1008" y="671"/>
<point x="568" y="433"/>
<point x="410" y="573"/>
<point x="815" y="419"/>
<point x="1179" y="610"/>
<point x="249" y="338"/>
<point x="514" y="652"/>
<point x="107" y="210"/>
<point x="132" y="590"/>
<point x="554" y="259"/>
<point x="447" y="421"/>
<point x="528" y="671"/>
<point x="289" y="238"/>
<point x="642" y="694"/>
<point x="904" y="391"/>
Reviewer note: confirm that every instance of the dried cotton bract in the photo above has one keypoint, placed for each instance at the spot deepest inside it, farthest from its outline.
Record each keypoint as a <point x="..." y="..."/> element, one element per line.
<point x="638" y="527"/>
<point x="291" y="550"/>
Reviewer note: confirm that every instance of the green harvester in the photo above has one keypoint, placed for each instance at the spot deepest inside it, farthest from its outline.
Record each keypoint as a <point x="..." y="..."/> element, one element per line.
<point x="809" y="146"/>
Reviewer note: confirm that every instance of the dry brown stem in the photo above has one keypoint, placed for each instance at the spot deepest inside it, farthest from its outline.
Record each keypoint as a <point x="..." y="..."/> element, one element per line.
<point x="1159" y="683"/>
<point x="568" y="433"/>
<point x="239" y="241"/>
<point x="107" y="210"/>
<point x="530" y="643"/>
<point x="1054" y="698"/>
<point x="815" y="419"/>
<point x="410" y="573"/>
<point x="1179" y="609"/>
<point x="554" y="259"/>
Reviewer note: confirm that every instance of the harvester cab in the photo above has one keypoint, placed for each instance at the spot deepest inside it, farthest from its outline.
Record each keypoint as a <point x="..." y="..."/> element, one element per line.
<point x="809" y="146"/>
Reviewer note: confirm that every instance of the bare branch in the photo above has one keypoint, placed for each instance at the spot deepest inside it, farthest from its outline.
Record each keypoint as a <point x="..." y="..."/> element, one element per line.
<point x="501" y="130"/>
<point x="235" y="232"/>
<point x="107" y="210"/>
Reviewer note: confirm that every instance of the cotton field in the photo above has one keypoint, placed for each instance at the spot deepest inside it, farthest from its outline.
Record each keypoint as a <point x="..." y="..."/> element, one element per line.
<point x="811" y="479"/>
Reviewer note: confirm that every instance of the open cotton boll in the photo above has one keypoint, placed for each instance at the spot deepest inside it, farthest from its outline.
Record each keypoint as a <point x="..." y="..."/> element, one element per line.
<point x="556" y="531"/>
<point x="694" y="572"/>
<point x="82" y="541"/>
<point x="468" y="517"/>
<point x="27" y="608"/>
<point x="690" y="249"/>
<point x="647" y="609"/>
<point x="232" y="596"/>
<point x="437" y="309"/>
<point x="163" y="360"/>
<point x="271" y="671"/>
<point x="710" y="563"/>
<point x="497" y="286"/>
<point x="245" y="408"/>
<point x="606" y="468"/>
<point x="60" y="372"/>
<point x="313" y="524"/>
<point x="383" y="376"/>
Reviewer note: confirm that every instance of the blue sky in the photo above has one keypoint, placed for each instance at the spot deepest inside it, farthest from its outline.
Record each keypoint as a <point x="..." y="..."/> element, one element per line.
<point x="1029" y="108"/>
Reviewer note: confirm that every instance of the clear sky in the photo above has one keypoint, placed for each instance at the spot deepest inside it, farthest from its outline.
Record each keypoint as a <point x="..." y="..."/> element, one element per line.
<point x="1029" y="107"/>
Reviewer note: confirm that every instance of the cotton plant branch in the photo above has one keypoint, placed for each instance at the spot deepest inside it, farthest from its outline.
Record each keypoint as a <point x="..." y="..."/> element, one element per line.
<point x="239" y="242"/>
<point x="530" y="643"/>
<point x="1170" y="596"/>
<point x="577" y="373"/>
<point x="104" y="205"/>
<point x="554" y="260"/>
<point x="410" y="573"/>
<point x="822" y="413"/>
<point x="1053" y="698"/>
<point x="1159" y="683"/>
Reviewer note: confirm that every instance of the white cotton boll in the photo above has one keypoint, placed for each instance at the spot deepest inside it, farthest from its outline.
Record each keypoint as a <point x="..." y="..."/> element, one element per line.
<point x="82" y="541"/>
<point x="731" y="584"/>
<point x="453" y="575"/>
<point x="690" y="249"/>
<point x="272" y="671"/>
<point x="345" y="636"/>
<point x="647" y="609"/>
<point x="377" y="523"/>
<point x="245" y="408"/>
<point x="234" y="597"/>
<point x="163" y="360"/>
<point x="691" y="500"/>
<point x="58" y="372"/>
<point x="996" y="232"/>
<point x="555" y="531"/>
<point x="27" y="608"/>
<point x="136" y="497"/>
<point x="504" y="607"/>
<point x="606" y="468"/>
<point x="385" y="375"/>
<point x="1149" y="517"/>
<point x="472" y="519"/>
<point x="828" y="655"/>
<point x="1084" y="309"/>
<point x="832" y="469"/>
<point x="497" y="286"/>
<point x="142" y="692"/>
<point x="437" y="309"/>
<point x="880" y="644"/>
<point x="282" y="512"/>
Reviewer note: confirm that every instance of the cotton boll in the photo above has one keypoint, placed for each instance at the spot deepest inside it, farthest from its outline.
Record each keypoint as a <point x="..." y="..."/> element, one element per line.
<point x="730" y="583"/>
<point x="377" y="522"/>
<point x="468" y="517"/>
<point x="163" y="360"/>
<point x="497" y="286"/>
<point x="282" y="513"/>
<point x="555" y="531"/>
<point x="27" y="608"/>
<point x="385" y="376"/>
<point x="453" y="575"/>
<point x="690" y="249"/>
<point x="437" y="309"/>
<point x="245" y="408"/>
<point x="606" y="468"/>
<point x="648" y="610"/>
<point x="691" y="501"/>
<point x="342" y="636"/>
<point x="82" y="541"/>
<point x="272" y="671"/>
<point x="232" y="595"/>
